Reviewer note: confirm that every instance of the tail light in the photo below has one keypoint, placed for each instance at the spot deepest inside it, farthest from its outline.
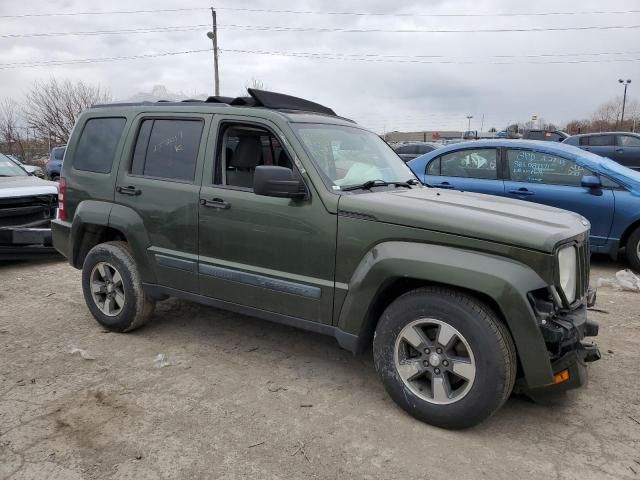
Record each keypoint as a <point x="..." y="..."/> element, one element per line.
<point x="62" y="193"/>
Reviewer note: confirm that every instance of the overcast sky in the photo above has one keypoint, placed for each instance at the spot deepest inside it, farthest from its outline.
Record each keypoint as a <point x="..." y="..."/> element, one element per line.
<point x="405" y="94"/>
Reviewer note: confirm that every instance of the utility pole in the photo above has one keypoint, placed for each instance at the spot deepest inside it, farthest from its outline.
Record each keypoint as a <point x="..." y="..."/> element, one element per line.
<point x="624" y="100"/>
<point x="213" y="36"/>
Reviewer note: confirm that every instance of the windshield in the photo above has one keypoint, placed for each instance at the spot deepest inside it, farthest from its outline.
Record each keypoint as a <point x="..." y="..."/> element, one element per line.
<point x="57" y="153"/>
<point x="620" y="170"/>
<point x="347" y="156"/>
<point x="9" y="169"/>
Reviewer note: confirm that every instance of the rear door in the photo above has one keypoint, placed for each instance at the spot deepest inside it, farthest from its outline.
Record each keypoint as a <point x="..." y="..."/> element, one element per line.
<point x="556" y="181"/>
<point x="160" y="181"/>
<point x="628" y="150"/>
<point x="472" y="170"/>
<point x="603" y="145"/>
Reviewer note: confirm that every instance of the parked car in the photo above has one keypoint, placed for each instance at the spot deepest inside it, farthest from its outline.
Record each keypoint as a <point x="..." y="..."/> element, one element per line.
<point x="621" y="147"/>
<point x="409" y="151"/>
<point x="54" y="164"/>
<point x="31" y="169"/>
<point x="559" y="175"/>
<point x="27" y="205"/>
<point x="545" y="135"/>
<point x="273" y="206"/>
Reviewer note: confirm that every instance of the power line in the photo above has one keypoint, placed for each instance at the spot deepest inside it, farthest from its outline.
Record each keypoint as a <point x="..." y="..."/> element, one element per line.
<point x="82" y="61"/>
<point x="418" y="59"/>
<point x="182" y="28"/>
<point x="178" y="28"/>
<point x="112" y="12"/>
<point x="276" y="28"/>
<point x="319" y="12"/>
<point x="309" y="55"/>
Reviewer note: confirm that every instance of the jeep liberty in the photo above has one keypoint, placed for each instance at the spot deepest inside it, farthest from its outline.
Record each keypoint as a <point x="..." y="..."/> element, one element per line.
<point x="273" y="206"/>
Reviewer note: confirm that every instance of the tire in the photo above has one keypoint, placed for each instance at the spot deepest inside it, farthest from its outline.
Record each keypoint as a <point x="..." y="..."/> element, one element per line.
<point x="55" y="178"/>
<point x="479" y="349"/>
<point x="633" y="250"/>
<point x="125" y="306"/>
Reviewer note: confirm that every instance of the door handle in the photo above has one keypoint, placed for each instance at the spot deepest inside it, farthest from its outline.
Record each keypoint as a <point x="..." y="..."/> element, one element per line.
<point x="444" y="185"/>
<point x="218" y="203"/>
<point x="521" y="191"/>
<point x="619" y="150"/>
<point x="129" y="190"/>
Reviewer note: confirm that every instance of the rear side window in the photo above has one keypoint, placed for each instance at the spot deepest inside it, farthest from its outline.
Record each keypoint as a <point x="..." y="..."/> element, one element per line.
<point x="98" y="143"/>
<point x="167" y="149"/>
<point x="472" y="163"/>
<point x="601" y="140"/>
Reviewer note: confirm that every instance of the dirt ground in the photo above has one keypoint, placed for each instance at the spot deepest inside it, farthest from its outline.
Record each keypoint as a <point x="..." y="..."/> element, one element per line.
<point x="243" y="398"/>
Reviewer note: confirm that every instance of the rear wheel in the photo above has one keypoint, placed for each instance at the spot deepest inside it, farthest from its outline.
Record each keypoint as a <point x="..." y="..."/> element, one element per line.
<point x="112" y="288"/>
<point x="633" y="250"/>
<point x="444" y="357"/>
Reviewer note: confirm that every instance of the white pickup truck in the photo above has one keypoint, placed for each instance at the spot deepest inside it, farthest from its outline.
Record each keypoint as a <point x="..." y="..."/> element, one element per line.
<point x="27" y="205"/>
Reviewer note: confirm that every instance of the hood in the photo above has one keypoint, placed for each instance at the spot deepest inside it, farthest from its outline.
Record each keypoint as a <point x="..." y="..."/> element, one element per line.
<point x="486" y="217"/>
<point x="26" y="186"/>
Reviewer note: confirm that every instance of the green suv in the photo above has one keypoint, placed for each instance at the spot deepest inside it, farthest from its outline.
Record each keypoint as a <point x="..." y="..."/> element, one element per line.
<point x="274" y="206"/>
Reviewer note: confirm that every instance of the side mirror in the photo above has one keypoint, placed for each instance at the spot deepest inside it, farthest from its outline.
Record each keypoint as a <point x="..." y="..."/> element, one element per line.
<point x="272" y="181"/>
<point x="591" y="181"/>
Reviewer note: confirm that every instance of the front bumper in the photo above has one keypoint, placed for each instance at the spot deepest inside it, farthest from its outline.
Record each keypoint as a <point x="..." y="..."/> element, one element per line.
<point x="19" y="242"/>
<point x="564" y="335"/>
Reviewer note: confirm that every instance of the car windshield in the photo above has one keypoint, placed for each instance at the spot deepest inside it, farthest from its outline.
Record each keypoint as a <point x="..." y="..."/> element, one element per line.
<point x="348" y="156"/>
<point x="614" y="167"/>
<point x="58" y="153"/>
<point x="9" y="168"/>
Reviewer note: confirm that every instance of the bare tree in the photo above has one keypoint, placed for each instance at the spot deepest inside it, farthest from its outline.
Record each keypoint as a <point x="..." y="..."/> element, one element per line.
<point x="253" y="83"/>
<point x="51" y="108"/>
<point x="11" y="130"/>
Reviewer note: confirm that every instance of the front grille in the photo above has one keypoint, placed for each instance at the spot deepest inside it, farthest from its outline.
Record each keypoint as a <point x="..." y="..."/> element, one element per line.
<point x="584" y="259"/>
<point x="31" y="211"/>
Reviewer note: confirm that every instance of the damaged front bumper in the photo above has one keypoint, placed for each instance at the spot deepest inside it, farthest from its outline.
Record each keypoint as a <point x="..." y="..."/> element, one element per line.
<point x="564" y="333"/>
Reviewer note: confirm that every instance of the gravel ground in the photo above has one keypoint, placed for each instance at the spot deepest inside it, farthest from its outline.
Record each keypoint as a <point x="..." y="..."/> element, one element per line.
<point x="242" y="398"/>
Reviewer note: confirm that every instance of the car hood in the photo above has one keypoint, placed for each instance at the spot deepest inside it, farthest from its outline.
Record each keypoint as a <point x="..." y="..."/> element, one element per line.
<point x="486" y="217"/>
<point x="26" y="186"/>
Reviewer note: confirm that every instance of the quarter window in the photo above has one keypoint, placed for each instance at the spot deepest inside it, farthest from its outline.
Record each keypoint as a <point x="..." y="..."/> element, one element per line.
<point x="243" y="149"/>
<point x="167" y="149"/>
<point x="473" y="163"/>
<point x="539" y="167"/>
<point x="97" y="144"/>
<point x="434" y="167"/>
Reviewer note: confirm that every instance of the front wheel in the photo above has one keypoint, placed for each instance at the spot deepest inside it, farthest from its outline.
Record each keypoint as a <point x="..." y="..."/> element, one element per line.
<point x="444" y="357"/>
<point x="633" y="250"/>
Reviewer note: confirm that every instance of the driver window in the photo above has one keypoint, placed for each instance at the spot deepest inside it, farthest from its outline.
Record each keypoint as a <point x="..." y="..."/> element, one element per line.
<point x="472" y="163"/>
<point x="243" y="148"/>
<point x="539" y="167"/>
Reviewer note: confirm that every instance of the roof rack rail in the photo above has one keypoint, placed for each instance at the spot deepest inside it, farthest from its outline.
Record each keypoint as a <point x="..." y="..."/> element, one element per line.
<point x="256" y="98"/>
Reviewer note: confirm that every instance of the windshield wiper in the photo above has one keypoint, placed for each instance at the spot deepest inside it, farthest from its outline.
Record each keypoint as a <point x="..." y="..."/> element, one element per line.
<point x="369" y="184"/>
<point x="365" y="186"/>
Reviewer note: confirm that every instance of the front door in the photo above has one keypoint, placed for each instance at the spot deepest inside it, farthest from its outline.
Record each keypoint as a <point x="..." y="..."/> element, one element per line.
<point x="556" y="181"/>
<point x="161" y="182"/>
<point x="274" y="254"/>
<point x="628" y="151"/>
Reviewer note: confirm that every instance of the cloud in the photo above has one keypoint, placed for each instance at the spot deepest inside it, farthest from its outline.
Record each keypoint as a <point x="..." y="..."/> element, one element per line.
<point x="382" y="95"/>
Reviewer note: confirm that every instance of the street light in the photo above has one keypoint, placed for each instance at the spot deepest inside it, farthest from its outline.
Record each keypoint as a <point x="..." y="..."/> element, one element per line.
<point x="469" y="117"/>
<point x="624" y="99"/>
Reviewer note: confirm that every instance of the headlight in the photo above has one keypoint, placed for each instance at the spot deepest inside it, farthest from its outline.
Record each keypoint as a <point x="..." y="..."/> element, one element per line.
<point x="567" y="265"/>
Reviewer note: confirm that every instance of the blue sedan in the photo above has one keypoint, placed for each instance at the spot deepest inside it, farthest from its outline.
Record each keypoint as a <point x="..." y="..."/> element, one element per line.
<point x="555" y="174"/>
